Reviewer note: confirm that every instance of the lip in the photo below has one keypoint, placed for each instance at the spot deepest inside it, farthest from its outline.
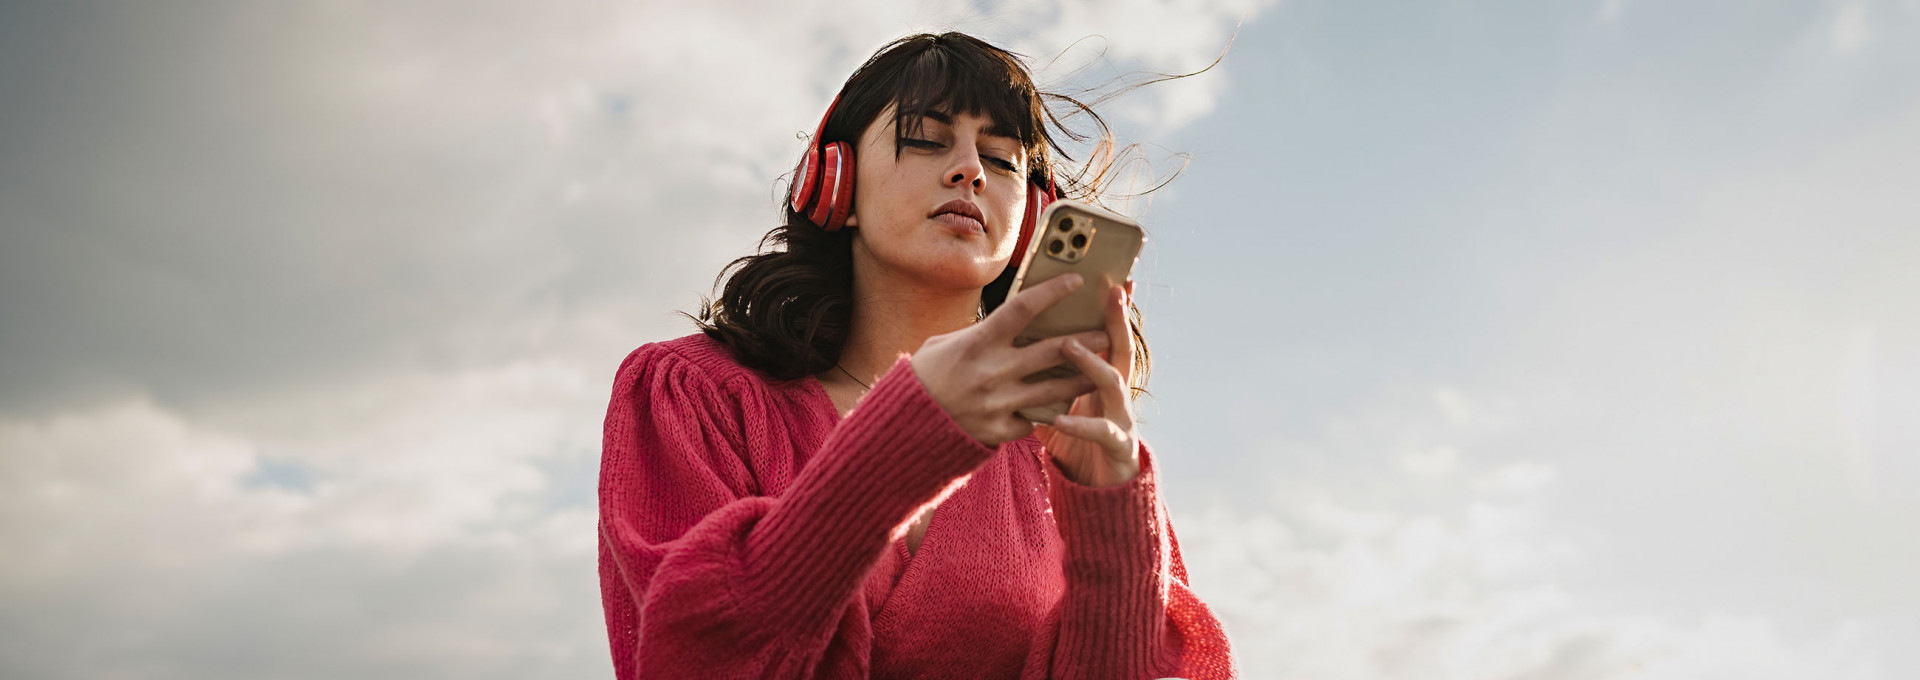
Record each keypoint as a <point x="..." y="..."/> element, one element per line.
<point x="962" y="216"/>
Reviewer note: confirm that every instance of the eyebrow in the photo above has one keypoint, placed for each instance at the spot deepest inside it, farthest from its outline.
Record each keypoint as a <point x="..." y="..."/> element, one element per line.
<point x="994" y="128"/>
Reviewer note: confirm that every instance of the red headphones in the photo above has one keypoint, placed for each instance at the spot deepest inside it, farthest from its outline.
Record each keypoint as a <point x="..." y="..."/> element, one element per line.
<point x="822" y="188"/>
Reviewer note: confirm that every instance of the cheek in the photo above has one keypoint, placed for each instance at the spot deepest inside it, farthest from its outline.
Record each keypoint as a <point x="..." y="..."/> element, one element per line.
<point x="870" y="184"/>
<point x="871" y="199"/>
<point x="1012" y="210"/>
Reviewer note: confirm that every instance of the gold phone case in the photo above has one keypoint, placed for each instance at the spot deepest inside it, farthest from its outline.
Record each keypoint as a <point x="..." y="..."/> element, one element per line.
<point x="1074" y="237"/>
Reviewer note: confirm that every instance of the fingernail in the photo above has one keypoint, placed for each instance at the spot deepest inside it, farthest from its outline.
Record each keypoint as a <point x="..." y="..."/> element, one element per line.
<point x="1074" y="345"/>
<point x="1074" y="281"/>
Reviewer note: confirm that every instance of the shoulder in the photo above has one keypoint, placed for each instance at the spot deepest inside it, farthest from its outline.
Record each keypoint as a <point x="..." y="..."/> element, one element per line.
<point x="694" y="361"/>
<point x="696" y="354"/>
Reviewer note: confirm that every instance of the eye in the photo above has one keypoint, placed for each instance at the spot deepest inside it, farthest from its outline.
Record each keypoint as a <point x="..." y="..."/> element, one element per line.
<point x="1002" y="164"/>
<point x="920" y="143"/>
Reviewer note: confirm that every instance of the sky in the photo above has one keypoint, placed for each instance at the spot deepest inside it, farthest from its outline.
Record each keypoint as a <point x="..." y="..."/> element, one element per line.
<point x="1491" y="340"/>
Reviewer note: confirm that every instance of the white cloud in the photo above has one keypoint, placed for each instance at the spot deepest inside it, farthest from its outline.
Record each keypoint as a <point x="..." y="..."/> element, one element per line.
<point x="1702" y="342"/>
<point x="1148" y="36"/>
<point x="1477" y="585"/>
<point x="1609" y="11"/>
<point x="433" y="524"/>
<point x="1474" y="415"/>
<point x="358" y="386"/>
<point x="1523" y="478"/>
<point x="1414" y="540"/>
<point x="1850" y="30"/>
<point x="460" y="177"/>
<point x="1438" y="461"/>
<point x="1858" y="406"/>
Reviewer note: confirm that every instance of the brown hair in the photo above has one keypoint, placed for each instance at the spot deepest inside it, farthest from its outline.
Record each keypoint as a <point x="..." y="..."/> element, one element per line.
<point x="786" y="310"/>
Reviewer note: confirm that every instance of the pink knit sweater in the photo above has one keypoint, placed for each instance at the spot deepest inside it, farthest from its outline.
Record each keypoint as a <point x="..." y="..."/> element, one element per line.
<point x="747" y="531"/>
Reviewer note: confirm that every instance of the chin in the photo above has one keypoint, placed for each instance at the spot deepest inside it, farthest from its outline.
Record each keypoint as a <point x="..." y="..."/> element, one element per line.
<point x="960" y="269"/>
<point x="951" y="264"/>
<point x="964" y="275"/>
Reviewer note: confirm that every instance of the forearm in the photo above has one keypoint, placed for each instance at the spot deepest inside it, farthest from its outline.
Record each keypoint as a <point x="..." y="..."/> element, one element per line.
<point x="1113" y="616"/>
<point x="887" y="459"/>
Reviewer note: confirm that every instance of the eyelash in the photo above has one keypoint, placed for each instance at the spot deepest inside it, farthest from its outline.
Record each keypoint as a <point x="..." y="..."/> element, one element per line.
<point x="1004" y="165"/>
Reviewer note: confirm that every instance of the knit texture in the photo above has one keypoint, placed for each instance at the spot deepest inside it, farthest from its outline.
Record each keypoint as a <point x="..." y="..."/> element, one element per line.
<point x="747" y="531"/>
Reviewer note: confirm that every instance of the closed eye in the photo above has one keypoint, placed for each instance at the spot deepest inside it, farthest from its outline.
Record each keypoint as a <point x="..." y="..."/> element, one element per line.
<point x="1001" y="164"/>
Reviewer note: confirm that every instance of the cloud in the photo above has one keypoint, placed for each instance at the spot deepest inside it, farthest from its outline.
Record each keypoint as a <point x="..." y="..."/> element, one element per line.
<point x="1609" y="11"/>
<point x="1428" y="574"/>
<point x="450" y="532"/>
<point x="1850" y="29"/>
<point x="1691" y="416"/>
<point x="313" y="309"/>
<point x="1160" y="37"/>
<point x="446" y="183"/>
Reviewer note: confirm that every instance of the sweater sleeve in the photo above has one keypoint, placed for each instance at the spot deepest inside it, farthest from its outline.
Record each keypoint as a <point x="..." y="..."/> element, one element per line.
<point x="1128" y="611"/>
<point x="703" y="577"/>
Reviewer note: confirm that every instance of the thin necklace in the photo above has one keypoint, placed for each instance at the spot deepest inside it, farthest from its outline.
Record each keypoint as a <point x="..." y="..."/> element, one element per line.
<point x="863" y="383"/>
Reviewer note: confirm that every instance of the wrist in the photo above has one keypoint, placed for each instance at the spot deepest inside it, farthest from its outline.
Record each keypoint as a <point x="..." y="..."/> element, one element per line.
<point x="1106" y="473"/>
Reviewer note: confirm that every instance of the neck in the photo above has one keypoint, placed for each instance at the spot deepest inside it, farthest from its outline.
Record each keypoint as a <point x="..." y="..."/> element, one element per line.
<point x="894" y="315"/>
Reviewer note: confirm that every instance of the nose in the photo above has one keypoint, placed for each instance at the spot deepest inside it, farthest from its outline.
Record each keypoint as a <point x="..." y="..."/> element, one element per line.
<point x="966" y="169"/>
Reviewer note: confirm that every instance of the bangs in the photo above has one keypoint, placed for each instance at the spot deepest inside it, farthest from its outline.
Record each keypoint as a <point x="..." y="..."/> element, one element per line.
<point x="949" y="75"/>
<point x="958" y="81"/>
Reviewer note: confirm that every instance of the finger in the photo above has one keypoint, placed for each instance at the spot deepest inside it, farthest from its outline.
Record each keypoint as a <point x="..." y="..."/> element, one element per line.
<point x="1052" y="352"/>
<point x="1108" y="435"/>
<point x="1108" y="382"/>
<point x="1013" y="316"/>
<point x="1029" y="395"/>
<point x="1119" y="334"/>
<point x="1010" y="428"/>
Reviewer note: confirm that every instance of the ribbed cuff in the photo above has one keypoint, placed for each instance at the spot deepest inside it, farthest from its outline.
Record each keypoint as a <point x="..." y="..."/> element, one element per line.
<point x="895" y="452"/>
<point x="1116" y="572"/>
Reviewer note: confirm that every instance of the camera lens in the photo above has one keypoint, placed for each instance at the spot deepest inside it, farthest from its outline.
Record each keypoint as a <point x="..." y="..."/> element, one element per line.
<point x="1079" y="240"/>
<point x="1055" y="246"/>
<point x="1066" y="224"/>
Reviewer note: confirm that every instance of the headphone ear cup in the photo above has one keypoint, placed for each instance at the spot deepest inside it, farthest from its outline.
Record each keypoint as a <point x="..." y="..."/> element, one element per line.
<point x="834" y="188"/>
<point x="806" y="179"/>
<point x="1038" y="198"/>
<point x="842" y="188"/>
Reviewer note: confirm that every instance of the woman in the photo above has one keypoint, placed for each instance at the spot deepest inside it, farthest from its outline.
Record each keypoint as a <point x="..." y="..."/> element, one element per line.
<point x="830" y="481"/>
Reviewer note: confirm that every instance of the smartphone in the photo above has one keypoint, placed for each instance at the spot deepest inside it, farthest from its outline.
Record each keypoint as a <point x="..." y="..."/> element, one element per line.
<point x="1101" y="247"/>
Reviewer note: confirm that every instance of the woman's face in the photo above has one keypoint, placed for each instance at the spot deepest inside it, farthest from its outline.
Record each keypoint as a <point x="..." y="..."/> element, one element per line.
<point x="947" y="210"/>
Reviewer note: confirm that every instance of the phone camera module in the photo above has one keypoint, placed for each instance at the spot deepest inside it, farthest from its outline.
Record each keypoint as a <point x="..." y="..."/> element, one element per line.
<point x="1070" y="238"/>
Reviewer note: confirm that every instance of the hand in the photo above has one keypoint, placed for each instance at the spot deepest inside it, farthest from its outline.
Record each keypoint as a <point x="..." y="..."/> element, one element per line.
<point x="975" y="373"/>
<point x="1095" y="443"/>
